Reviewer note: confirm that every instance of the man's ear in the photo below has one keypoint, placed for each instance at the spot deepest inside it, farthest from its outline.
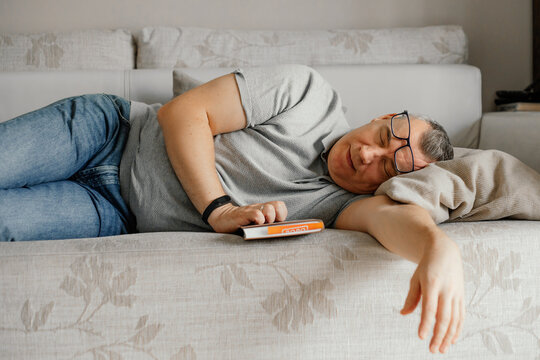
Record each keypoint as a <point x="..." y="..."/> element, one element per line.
<point x="383" y="117"/>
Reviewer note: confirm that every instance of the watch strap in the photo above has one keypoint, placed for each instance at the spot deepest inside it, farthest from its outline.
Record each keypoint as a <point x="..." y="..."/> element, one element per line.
<point x="220" y="201"/>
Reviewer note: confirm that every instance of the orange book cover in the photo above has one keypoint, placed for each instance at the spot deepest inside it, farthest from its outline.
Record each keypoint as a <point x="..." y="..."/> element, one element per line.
<point x="282" y="229"/>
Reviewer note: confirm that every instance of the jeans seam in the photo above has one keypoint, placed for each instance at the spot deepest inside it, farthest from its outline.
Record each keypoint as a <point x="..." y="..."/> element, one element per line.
<point x="126" y="121"/>
<point x="93" y="176"/>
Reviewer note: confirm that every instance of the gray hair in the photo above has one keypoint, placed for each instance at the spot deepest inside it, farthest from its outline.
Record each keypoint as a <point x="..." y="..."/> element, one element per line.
<point x="435" y="143"/>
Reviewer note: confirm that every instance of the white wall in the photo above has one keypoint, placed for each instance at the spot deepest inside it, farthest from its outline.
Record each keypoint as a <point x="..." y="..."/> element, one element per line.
<point x="499" y="31"/>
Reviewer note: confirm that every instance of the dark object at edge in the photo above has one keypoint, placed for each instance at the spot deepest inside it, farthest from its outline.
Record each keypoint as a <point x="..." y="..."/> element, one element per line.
<point x="530" y="94"/>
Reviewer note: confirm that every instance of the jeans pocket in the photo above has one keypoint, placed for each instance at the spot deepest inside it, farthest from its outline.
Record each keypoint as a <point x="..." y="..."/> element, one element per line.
<point x="97" y="176"/>
<point x="126" y="107"/>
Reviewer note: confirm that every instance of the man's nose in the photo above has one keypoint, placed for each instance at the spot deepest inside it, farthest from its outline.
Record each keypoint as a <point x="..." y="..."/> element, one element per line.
<point x="369" y="153"/>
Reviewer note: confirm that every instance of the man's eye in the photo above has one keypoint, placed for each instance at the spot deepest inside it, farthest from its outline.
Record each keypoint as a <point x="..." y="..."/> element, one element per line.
<point x="381" y="138"/>
<point x="386" y="170"/>
<point x="384" y="136"/>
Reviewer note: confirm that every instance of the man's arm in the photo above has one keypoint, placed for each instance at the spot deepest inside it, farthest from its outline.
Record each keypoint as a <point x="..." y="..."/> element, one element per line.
<point x="189" y="123"/>
<point x="409" y="231"/>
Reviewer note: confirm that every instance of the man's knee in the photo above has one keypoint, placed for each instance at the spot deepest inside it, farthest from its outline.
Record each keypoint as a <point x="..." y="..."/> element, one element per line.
<point x="8" y="230"/>
<point x="13" y="227"/>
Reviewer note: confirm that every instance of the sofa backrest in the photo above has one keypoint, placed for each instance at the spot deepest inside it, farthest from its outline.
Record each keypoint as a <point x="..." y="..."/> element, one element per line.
<point x="170" y="47"/>
<point x="193" y="47"/>
<point x="450" y="94"/>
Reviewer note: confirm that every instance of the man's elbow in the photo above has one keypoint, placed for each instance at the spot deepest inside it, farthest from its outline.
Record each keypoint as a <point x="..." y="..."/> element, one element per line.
<point x="390" y="213"/>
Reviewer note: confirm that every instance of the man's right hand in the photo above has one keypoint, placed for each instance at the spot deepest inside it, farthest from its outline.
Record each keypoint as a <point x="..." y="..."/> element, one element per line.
<point x="228" y="218"/>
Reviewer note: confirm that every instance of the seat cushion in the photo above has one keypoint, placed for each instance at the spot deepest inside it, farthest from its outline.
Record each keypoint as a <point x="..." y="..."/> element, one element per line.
<point x="330" y="295"/>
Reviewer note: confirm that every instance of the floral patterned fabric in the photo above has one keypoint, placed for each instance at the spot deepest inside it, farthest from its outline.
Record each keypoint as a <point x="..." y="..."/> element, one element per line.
<point x="88" y="49"/>
<point x="167" y="47"/>
<point x="332" y="295"/>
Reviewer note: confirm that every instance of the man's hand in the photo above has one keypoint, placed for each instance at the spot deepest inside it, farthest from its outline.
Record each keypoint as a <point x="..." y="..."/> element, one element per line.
<point x="438" y="280"/>
<point x="228" y="218"/>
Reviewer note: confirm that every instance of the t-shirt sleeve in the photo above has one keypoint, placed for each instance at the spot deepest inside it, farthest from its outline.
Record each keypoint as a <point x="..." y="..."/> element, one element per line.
<point x="352" y="199"/>
<point x="270" y="90"/>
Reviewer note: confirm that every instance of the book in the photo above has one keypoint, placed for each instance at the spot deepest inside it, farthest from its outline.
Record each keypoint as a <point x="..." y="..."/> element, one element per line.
<point x="519" y="106"/>
<point x="282" y="229"/>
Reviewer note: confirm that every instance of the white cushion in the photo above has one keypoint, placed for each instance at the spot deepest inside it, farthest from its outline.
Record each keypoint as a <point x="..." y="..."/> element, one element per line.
<point x="524" y="127"/>
<point x="448" y="93"/>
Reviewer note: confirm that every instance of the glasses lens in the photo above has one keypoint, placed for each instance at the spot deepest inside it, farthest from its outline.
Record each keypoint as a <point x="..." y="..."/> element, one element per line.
<point x="400" y="126"/>
<point x="404" y="159"/>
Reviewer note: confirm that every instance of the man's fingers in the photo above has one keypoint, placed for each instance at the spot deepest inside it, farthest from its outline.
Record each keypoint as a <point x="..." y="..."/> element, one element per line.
<point x="453" y="326"/>
<point x="429" y="309"/>
<point x="444" y="315"/>
<point x="269" y="212"/>
<point x="273" y="211"/>
<point x="281" y="210"/>
<point x="228" y="218"/>
<point x="460" y="324"/>
<point x="254" y="213"/>
<point x="413" y="297"/>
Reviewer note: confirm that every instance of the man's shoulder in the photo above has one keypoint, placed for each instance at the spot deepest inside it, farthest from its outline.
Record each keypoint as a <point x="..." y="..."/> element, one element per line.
<point x="298" y="73"/>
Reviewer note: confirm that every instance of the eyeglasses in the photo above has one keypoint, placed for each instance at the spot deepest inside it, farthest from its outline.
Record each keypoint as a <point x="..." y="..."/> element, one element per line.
<point x="401" y="129"/>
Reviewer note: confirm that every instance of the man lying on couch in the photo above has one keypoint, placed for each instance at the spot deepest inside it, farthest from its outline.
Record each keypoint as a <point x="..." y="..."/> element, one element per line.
<point x="258" y="145"/>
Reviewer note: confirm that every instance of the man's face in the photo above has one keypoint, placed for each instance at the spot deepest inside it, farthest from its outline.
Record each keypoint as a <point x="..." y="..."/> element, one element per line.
<point x="364" y="158"/>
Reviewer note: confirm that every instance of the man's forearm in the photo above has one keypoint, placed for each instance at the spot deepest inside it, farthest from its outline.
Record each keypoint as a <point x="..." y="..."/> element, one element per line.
<point x="407" y="230"/>
<point x="189" y="123"/>
<point x="190" y="148"/>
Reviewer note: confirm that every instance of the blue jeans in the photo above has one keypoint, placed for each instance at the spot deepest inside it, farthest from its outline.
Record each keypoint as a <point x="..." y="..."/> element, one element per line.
<point x="59" y="170"/>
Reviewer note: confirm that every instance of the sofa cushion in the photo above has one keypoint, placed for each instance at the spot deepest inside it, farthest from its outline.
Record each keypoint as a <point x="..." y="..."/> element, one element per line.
<point x="86" y="49"/>
<point x="168" y="47"/>
<point x="330" y="295"/>
<point x="182" y="82"/>
<point x="456" y="105"/>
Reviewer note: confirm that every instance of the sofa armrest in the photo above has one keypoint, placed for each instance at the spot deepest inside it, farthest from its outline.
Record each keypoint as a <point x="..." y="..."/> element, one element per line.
<point x="516" y="133"/>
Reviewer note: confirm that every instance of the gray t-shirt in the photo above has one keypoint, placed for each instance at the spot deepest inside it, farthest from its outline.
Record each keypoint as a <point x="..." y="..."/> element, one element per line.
<point x="293" y="118"/>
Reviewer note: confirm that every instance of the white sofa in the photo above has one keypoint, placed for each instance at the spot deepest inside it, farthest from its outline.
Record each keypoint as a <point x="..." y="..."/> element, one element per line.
<point x="331" y="295"/>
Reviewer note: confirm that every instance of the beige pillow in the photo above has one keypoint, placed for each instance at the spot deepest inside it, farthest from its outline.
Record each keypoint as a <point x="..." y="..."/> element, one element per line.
<point x="86" y="49"/>
<point x="479" y="185"/>
<point x="170" y="47"/>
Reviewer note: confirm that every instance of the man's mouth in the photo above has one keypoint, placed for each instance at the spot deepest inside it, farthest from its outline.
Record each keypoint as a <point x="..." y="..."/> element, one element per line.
<point x="349" y="159"/>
